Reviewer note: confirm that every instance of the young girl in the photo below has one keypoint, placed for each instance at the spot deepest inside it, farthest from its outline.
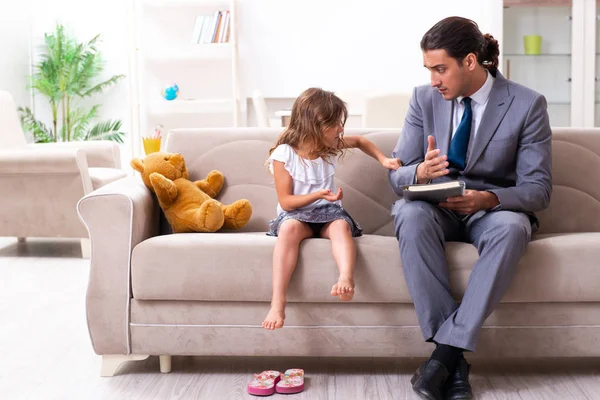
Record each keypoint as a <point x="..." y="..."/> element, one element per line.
<point x="303" y="162"/>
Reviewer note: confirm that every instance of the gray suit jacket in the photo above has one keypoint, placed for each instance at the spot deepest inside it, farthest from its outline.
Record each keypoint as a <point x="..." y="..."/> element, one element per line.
<point x="510" y="155"/>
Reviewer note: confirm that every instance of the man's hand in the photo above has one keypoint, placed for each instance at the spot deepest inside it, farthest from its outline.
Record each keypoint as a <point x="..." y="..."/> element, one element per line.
<point x="391" y="163"/>
<point x="471" y="202"/>
<point x="434" y="165"/>
<point x="327" y="195"/>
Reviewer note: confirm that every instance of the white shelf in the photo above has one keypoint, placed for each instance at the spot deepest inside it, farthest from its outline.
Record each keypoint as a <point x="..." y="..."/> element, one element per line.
<point x="211" y="51"/>
<point x="213" y="4"/>
<point x="162" y="50"/>
<point x="355" y="112"/>
<point x="199" y="106"/>
<point x="537" y="55"/>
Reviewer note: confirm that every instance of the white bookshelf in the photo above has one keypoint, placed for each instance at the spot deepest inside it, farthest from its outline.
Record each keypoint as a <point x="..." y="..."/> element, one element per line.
<point x="164" y="52"/>
<point x="549" y="72"/>
<point x="177" y="106"/>
<point x="188" y="3"/>
<point x="565" y="71"/>
<point x="220" y="51"/>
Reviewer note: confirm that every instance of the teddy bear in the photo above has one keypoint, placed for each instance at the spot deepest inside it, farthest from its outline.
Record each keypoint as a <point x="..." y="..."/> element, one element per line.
<point x="189" y="206"/>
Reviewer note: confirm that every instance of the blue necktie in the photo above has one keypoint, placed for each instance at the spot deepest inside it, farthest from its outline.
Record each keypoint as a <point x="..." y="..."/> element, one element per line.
<point x="457" y="155"/>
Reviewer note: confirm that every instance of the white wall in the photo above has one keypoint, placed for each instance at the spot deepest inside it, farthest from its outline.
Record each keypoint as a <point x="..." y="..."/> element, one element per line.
<point x="285" y="46"/>
<point x="14" y="48"/>
<point x="344" y="45"/>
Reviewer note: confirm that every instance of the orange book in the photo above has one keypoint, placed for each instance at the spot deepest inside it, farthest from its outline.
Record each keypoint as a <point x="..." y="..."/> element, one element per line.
<point x="218" y="28"/>
<point x="227" y="28"/>
<point x="224" y="28"/>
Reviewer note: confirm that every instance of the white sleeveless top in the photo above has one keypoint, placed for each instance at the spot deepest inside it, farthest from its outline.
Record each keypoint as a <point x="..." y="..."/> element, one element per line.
<point x="308" y="175"/>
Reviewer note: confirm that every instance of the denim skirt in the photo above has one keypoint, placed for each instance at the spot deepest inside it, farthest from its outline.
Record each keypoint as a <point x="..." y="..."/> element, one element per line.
<point x="316" y="218"/>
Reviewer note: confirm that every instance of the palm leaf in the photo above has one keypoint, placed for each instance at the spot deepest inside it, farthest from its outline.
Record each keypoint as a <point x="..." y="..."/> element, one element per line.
<point x="85" y="75"/>
<point x="101" y="86"/>
<point x="41" y="133"/>
<point x="88" y="66"/>
<point x="81" y="120"/>
<point x="107" y="130"/>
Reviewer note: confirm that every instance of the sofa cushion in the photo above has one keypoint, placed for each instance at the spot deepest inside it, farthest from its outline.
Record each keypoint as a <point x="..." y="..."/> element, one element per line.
<point x="237" y="267"/>
<point x="240" y="154"/>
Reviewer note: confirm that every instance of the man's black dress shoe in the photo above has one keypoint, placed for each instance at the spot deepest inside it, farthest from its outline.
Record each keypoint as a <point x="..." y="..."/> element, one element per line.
<point x="429" y="380"/>
<point x="457" y="386"/>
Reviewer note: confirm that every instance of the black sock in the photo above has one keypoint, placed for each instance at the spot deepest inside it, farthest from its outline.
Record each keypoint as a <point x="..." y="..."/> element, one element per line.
<point x="447" y="355"/>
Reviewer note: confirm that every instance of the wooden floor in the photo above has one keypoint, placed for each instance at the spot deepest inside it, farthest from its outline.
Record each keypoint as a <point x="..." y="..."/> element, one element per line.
<point x="45" y="352"/>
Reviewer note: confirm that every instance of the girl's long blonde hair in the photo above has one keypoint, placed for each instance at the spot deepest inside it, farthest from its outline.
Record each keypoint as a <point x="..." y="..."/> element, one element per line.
<point x="313" y="111"/>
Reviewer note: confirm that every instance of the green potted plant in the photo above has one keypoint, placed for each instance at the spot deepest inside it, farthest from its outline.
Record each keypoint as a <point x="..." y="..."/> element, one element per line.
<point x="68" y="72"/>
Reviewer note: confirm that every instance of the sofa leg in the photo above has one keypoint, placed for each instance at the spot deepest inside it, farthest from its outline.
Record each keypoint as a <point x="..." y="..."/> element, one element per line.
<point x="85" y="248"/>
<point x="165" y="364"/>
<point x="111" y="362"/>
<point x="21" y="239"/>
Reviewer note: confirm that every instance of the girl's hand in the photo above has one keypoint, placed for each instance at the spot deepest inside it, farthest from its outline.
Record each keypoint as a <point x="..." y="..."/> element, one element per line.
<point x="329" y="196"/>
<point x="391" y="163"/>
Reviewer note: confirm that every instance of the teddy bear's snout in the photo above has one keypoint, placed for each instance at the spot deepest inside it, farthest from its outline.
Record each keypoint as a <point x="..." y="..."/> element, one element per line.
<point x="176" y="158"/>
<point x="177" y="161"/>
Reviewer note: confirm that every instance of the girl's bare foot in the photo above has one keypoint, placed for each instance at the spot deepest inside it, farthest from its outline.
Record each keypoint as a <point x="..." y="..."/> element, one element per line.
<point x="275" y="316"/>
<point x="343" y="288"/>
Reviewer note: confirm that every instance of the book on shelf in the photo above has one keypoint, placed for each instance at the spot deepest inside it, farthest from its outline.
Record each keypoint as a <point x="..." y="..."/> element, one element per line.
<point x="433" y="192"/>
<point x="206" y="28"/>
<point x="214" y="28"/>
<point x="198" y="26"/>
<point x="223" y="33"/>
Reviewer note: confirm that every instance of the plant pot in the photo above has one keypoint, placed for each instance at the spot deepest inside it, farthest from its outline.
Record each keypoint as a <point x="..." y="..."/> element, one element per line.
<point x="533" y="44"/>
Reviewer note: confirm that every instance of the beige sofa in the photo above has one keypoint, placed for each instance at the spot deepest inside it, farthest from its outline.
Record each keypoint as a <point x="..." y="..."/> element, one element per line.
<point x="41" y="183"/>
<point x="207" y="294"/>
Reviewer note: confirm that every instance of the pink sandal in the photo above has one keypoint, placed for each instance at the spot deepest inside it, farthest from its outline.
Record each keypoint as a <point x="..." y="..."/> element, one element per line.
<point x="264" y="383"/>
<point x="292" y="381"/>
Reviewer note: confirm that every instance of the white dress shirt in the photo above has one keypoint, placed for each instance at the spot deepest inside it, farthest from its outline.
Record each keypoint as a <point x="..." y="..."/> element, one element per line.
<point x="479" y="101"/>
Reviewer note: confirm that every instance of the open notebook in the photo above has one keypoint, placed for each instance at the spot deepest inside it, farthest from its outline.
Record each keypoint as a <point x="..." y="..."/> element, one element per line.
<point x="433" y="192"/>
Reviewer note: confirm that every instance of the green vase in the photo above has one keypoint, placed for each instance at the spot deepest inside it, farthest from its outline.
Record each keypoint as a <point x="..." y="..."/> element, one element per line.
<point x="533" y="44"/>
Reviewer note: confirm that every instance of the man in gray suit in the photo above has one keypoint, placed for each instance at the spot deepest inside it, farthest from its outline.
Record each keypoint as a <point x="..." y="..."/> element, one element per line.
<point x="472" y="125"/>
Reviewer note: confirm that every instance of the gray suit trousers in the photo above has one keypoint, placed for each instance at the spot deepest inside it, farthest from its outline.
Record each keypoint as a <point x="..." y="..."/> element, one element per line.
<point x="422" y="230"/>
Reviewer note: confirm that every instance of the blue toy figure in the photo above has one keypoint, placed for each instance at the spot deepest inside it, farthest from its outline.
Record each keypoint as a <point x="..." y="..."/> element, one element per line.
<point x="171" y="92"/>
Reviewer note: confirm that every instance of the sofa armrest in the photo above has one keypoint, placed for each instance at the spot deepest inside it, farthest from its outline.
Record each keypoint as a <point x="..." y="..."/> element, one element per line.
<point x="117" y="216"/>
<point x="46" y="162"/>
<point x="42" y="161"/>
<point x="100" y="153"/>
<point x="28" y="178"/>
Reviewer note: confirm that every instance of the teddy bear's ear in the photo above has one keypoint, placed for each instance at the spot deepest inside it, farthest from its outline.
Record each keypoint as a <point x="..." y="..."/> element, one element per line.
<point x="138" y="165"/>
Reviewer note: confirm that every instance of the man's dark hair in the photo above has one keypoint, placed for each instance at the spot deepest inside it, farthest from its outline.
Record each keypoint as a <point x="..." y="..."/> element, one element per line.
<point x="459" y="37"/>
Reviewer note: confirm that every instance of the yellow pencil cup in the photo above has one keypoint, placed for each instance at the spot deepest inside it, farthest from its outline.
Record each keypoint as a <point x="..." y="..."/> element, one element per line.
<point x="533" y="44"/>
<point x="151" y="145"/>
